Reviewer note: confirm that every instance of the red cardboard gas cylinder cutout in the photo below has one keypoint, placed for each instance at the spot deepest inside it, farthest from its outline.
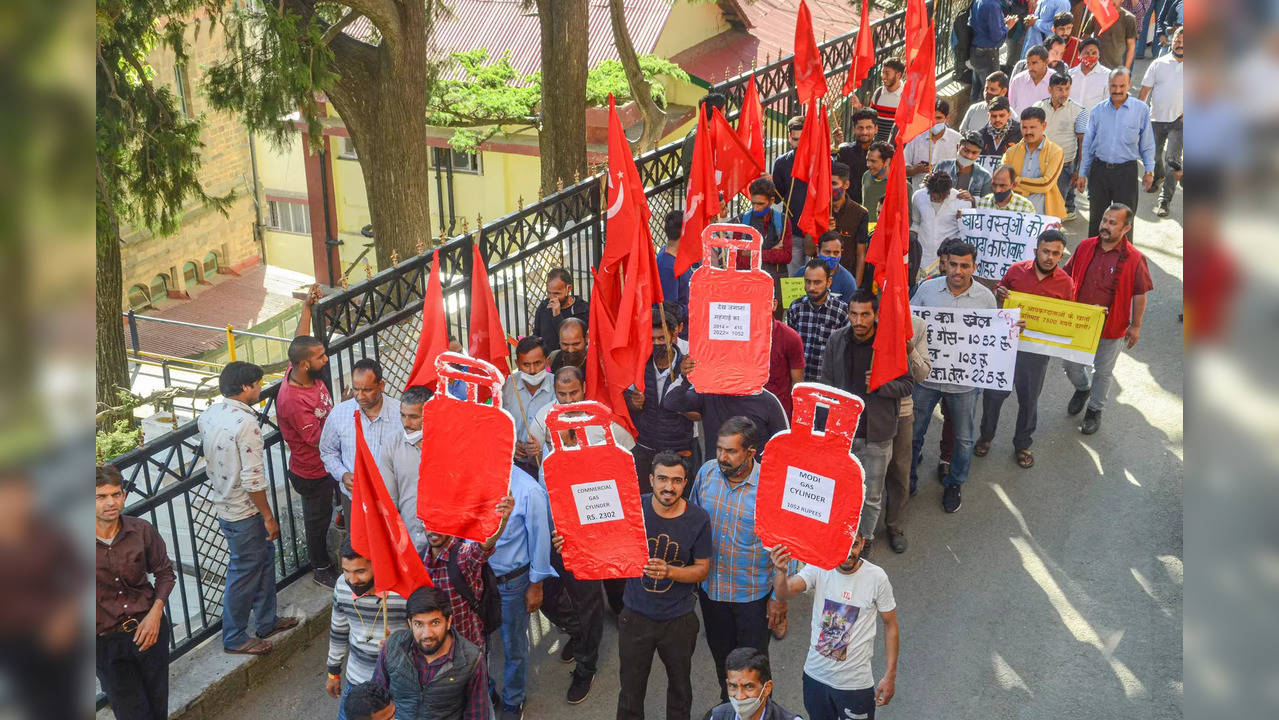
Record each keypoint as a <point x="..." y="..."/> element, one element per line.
<point x="730" y="314"/>
<point x="466" y="452"/>
<point x="595" y="498"/>
<point x="810" y="485"/>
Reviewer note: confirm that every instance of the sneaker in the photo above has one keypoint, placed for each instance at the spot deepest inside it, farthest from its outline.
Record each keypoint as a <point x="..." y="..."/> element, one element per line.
<point x="566" y="652"/>
<point x="1070" y="216"/>
<point x="1161" y="209"/>
<point x="1092" y="421"/>
<point x="943" y="469"/>
<point x="1077" y="401"/>
<point x="511" y="712"/>
<point x="897" y="541"/>
<point x="325" y="576"/>
<point x="579" y="688"/>
<point x="951" y="499"/>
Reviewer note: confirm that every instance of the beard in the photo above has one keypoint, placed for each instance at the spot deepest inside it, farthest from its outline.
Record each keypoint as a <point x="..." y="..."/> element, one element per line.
<point x="731" y="471"/>
<point x="577" y="358"/>
<point x="431" y="646"/>
<point x="361" y="588"/>
<point x="317" y="373"/>
<point x="1045" y="270"/>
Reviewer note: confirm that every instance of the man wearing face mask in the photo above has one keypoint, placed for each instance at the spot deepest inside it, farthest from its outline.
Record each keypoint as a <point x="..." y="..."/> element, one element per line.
<point x="1088" y="79"/>
<point x="817" y="314"/>
<point x="939" y="144"/>
<point x="969" y="179"/>
<point x="847" y="601"/>
<point x="830" y="250"/>
<point x="850" y="220"/>
<point x="875" y="179"/>
<point x="777" y="250"/>
<point x="572" y="350"/>
<point x="398" y="462"/>
<point x="934" y="212"/>
<point x="659" y="429"/>
<point x="1001" y="195"/>
<point x="749" y="679"/>
<point x="853" y="154"/>
<point x="1002" y="131"/>
<point x="358" y="625"/>
<point x="525" y="393"/>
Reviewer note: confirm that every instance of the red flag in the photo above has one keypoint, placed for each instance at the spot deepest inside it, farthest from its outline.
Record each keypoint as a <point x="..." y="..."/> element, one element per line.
<point x="602" y="370"/>
<point x="863" y="55"/>
<point x="435" y="335"/>
<point x="377" y="530"/>
<point x="750" y="123"/>
<point x="919" y="94"/>
<point x="628" y="211"/>
<point x="889" y="253"/>
<point x="701" y="203"/>
<point x="1104" y="12"/>
<point x="735" y="167"/>
<point x="810" y="78"/>
<point x="815" y="218"/>
<point x="486" y="339"/>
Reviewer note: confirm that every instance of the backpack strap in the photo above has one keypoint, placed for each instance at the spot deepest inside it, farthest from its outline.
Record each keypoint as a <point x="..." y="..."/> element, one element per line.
<point x="463" y="587"/>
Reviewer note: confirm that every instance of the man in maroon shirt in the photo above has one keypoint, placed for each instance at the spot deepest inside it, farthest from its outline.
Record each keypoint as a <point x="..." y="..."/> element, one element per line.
<point x="133" y="634"/>
<point x="1108" y="271"/>
<point x="1040" y="276"/>
<point x="301" y="406"/>
<point x="785" y="359"/>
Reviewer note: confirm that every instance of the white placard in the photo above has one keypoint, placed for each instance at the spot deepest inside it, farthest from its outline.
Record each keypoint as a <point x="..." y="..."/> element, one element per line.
<point x="730" y="321"/>
<point x="597" y="502"/>
<point x="808" y="494"/>
<point x="977" y="348"/>
<point x="1002" y="237"/>
<point x="990" y="162"/>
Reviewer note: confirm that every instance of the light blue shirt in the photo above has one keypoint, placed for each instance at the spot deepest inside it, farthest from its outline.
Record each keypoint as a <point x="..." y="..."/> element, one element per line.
<point x="523" y="405"/>
<point x="527" y="538"/>
<point x="1043" y="27"/>
<point x="337" y="440"/>
<point x="1119" y="135"/>
<point x="1030" y="169"/>
<point x="935" y="293"/>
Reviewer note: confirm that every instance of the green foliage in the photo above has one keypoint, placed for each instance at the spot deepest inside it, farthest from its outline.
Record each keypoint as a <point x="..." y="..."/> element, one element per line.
<point x="120" y="439"/>
<point x="609" y="78"/>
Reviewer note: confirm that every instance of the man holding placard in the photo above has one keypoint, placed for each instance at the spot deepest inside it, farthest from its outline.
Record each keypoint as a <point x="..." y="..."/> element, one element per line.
<point x="956" y="290"/>
<point x="1040" y="276"/>
<point x="1001" y="195"/>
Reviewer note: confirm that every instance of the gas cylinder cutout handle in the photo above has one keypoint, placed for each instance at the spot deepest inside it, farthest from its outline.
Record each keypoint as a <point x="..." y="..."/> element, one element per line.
<point x="585" y="414"/>
<point x="478" y="373"/>
<point x="712" y="241"/>
<point x="844" y="409"/>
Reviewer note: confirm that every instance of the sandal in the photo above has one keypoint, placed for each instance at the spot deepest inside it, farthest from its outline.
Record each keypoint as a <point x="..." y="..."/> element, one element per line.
<point x="282" y="624"/>
<point x="252" y="647"/>
<point x="1025" y="459"/>
<point x="981" y="448"/>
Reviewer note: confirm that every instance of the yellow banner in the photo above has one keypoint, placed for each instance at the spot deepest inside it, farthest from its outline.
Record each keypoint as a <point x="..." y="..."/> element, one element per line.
<point x="792" y="290"/>
<point x="1059" y="328"/>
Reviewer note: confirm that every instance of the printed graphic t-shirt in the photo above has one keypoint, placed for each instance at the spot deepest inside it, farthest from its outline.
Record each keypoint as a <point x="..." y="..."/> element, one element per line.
<point x="845" y="611"/>
<point x="679" y="541"/>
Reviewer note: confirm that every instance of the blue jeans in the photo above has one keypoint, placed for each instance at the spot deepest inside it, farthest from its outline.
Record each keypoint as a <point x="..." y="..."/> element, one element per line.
<point x="1066" y="187"/>
<point x="250" y="581"/>
<point x="514" y="639"/>
<point x="962" y="409"/>
<point x="346" y="689"/>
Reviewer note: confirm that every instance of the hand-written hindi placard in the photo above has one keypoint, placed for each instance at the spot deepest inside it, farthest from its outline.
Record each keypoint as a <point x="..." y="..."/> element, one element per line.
<point x="597" y="502"/>
<point x="1002" y="237"/>
<point x="977" y="348"/>
<point x="1059" y="328"/>
<point x="730" y="321"/>
<point x="808" y="494"/>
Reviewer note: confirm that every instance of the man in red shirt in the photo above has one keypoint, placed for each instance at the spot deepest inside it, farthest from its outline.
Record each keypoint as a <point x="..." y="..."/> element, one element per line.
<point x="1108" y="271"/>
<point x="301" y="406"/>
<point x="785" y="358"/>
<point x="1040" y="276"/>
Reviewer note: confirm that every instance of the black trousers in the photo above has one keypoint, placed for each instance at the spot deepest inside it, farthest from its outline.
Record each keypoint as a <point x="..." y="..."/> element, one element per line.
<point x="577" y="607"/>
<point x="1110" y="184"/>
<point x="1028" y="382"/>
<point x="730" y="625"/>
<point x="674" y="641"/>
<point x="317" y="512"/>
<point x="136" y="683"/>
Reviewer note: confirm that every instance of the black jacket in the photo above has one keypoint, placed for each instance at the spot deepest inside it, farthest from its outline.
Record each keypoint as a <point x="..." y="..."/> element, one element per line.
<point x="659" y="428"/>
<point x="764" y="409"/>
<point x="547" y="326"/>
<point x="879" y="418"/>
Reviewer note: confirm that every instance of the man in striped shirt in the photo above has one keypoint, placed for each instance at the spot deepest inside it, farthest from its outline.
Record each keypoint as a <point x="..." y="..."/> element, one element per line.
<point x="361" y="621"/>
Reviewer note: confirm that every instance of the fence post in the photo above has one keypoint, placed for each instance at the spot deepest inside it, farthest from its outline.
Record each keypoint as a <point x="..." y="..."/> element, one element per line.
<point x="230" y="342"/>
<point x="133" y="332"/>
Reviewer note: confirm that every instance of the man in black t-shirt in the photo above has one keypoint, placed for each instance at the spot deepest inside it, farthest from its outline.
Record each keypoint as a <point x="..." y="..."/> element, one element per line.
<point x="659" y="614"/>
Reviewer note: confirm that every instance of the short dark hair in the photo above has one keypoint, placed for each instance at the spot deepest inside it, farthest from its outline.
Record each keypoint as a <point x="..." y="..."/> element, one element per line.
<point x="748" y="658"/>
<point x="1034" y="113"/>
<point x="828" y="236"/>
<point x="864" y="295"/>
<point x="1120" y="206"/>
<point x="942" y="107"/>
<point x="1063" y="18"/>
<point x="816" y="264"/>
<point x="840" y="170"/>
<point x="671" y="322"/>
<point x="365" y="700"/>
<point x="674" y="224"/>
<point x="1052" y="235"/>
<point x="884" y="149"/>
<point x="370" y="365"/>
<point x="763" y="186"/>
<point x="999" y="76"/>
<point x="109" y="475"/>
<point x="1054" y="40"/>
<point x="895" y="64"/>
<point x="1012" y="172"/>
<point x="795" y="123"/>
<point x="972" y="138"/>
<point x="1059" y="78"/>
<point x="675" y="310"/>
<point x="416" y="395"/>
<point x="999" y="103"/>
<point x="866" y="113"/>
<point x="670" y="458"/>
<point x="527" y="344"/>
<point x="560" y="274"/>
<point x="743" y="426"/>
<point x="938" y="182"/>
<point x="570" y="372"/>
<point x="1038" y="51"/>
<point x="427" y="599"/>
<point x="1089" y="42"/>
<point x="961" y="248"/>
<point x="236" y="375"/>
<point x="348" y="551"/>
<point x="713" y="100"/>
<point x="943" y="248"/>
<point x="301" y="346"/>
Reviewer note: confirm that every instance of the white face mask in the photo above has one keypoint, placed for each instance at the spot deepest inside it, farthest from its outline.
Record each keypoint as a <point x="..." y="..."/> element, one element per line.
<point x="964" y="161"/>
<point x="412" y="436"/>
<point x="938" y="128"/>
<point x="536" y="379"/>
<point x="748" y="707"/>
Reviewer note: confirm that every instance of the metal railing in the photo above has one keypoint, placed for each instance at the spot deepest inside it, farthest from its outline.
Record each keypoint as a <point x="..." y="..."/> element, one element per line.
<point x="381" y="318"/>
<point x="229" y="332"/>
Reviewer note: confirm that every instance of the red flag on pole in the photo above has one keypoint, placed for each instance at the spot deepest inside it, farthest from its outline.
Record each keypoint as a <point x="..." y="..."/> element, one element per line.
<point x="889" y="253"/>
<point x="810" y="78"/>
<point x="701" y="204"/>
<point x="602" y="371"/>
<point x="750" y="123"/>
<point x="1105" y="12"/>
<point x="435" y="336"/>
<point x="486" y="339"/>
<point x="815" y="154"/>
<point x="735" y="167"/>
<point x="628" y="211"/>
<point x="863" y="54"/>
<point x="377" y="530"/>
<point x="919" y="94"/>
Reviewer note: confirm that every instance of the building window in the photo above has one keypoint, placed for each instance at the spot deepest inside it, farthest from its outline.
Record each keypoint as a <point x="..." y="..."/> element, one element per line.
<point x="291" y="217"/>
<point x="190" y="274"/>
<point x="138" y="297"/>
<point x="461" y="162"/>
<point x="210" y="265"/>
<point x="159" y="287"/>
<point x="180" y="83"/>
<point x="347" y="150"/>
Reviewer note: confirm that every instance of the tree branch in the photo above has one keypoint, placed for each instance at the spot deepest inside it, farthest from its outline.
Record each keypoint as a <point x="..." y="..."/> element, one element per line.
<point x="338" y="26"/>
<point x="384" y="14"/>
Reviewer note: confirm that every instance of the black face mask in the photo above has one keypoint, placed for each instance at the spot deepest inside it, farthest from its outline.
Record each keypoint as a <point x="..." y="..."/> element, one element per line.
<point x="361" y="589"/>
<point x="731" y="471"/>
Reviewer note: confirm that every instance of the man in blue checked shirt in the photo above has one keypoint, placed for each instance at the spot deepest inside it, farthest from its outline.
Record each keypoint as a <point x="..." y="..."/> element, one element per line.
<point x="736" y="597"/>
<point x="1119" y="134"/>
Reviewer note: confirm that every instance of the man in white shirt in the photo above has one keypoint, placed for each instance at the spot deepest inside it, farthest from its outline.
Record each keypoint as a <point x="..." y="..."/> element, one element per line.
<point x="233" y="455"/>
<point x="1031" y="85"/>
<point x="928" y="149"/>
<point x="934" y="212"/>
<point x="1161" y="87"/>
<point x="975" y="118"/>
<point x="1067" y="122"/>
<point x="1089" y="80"/>
<point x="379" y="418"/>
<point x="838" y="677"/>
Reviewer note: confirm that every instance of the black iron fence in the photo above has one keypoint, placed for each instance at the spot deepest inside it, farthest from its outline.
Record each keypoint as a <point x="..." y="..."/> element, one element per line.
<point x="381" y="318"/>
